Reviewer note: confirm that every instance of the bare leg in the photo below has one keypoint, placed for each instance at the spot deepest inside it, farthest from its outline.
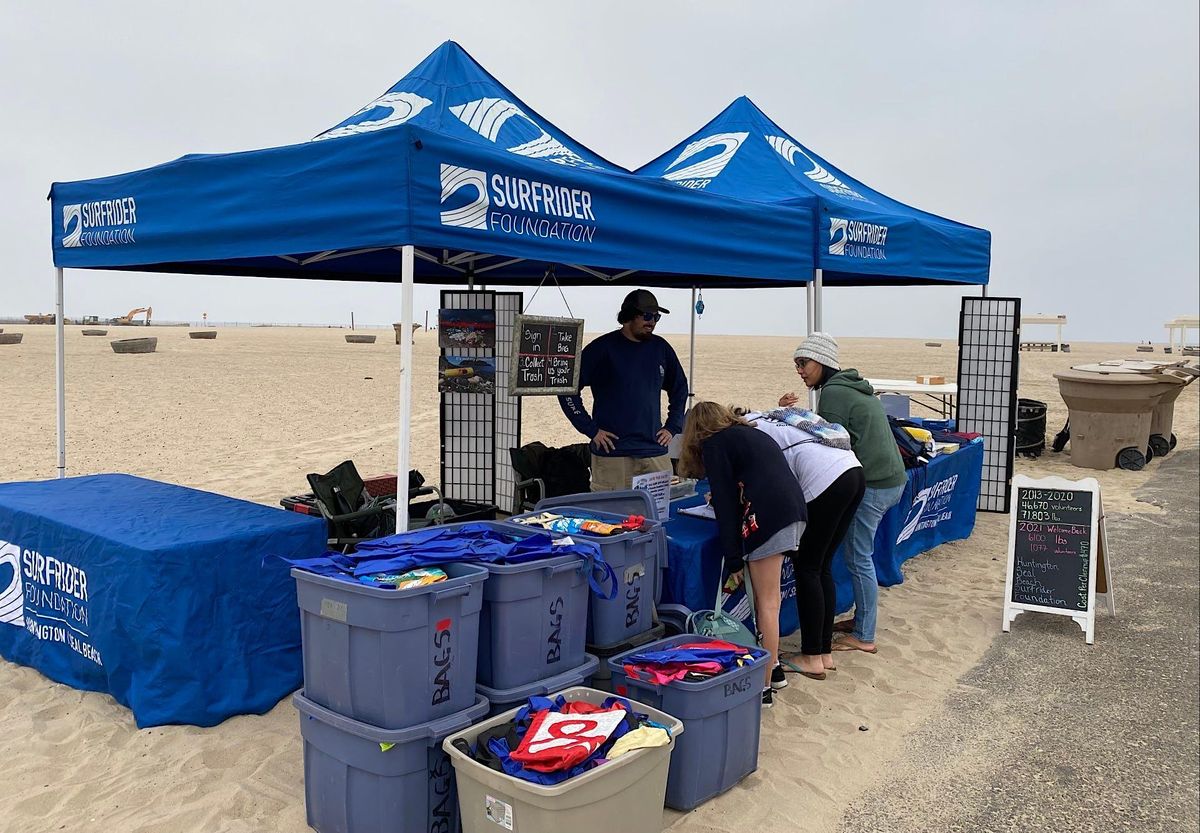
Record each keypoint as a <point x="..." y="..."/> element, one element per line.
<point x="764" y="575"/>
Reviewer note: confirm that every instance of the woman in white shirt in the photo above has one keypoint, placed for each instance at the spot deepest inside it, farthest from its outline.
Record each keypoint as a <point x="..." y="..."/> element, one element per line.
<point x="833" y="485"/>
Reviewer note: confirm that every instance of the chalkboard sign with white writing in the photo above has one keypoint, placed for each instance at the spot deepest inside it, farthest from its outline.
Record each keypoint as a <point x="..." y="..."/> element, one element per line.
<point x="546" y="356"/>
<point x="1054" y="537"/>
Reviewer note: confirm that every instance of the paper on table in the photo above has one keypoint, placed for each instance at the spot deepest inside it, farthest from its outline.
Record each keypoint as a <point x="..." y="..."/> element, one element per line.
<point x="704" y="510"/>
<point x="658" y="484"/>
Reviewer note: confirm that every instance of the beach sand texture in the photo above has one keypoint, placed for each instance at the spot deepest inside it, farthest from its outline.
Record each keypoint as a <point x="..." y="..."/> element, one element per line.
<point x="249" y="414"/>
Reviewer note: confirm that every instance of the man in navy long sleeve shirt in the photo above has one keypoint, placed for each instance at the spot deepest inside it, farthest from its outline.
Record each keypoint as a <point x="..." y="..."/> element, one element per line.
<point x="627" y="369"/>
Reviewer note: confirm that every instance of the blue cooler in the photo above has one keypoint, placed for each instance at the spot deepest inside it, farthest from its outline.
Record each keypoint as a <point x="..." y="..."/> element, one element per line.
<point x="637" y="559"/>
<point x="391" y="658"/>
<point x="359" y="778"/>
<point x="510" y="698"/>
<point x="534" y="618"/>
<point x="721" y="716"/>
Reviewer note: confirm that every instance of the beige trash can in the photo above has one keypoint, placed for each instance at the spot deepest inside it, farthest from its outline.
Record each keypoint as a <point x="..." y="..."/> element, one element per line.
<point x="1110" y="414"/>
<point x="624" y="795"/>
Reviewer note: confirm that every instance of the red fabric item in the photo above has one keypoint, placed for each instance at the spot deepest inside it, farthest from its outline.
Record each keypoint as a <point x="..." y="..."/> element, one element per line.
<point x="671" y="671"/>
<point x="557" y="741"/>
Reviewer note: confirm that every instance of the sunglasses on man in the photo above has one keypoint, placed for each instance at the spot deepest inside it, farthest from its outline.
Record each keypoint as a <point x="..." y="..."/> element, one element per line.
<point x="651" y="316"/>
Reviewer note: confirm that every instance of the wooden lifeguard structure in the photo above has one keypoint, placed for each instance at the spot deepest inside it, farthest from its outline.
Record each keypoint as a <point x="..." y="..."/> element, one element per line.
<point x="1057" y="321"/>
<point x="1180" y="326"/>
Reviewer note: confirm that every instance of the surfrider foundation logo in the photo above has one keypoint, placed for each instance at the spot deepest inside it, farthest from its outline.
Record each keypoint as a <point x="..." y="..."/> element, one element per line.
<point x="854" y="238"/>
<point x="100" y="223"/>
<point x="788" y="149"/>
<point x="701" y="172"/>
<point x="394" y="109"/>
<point x="12" y="593"/>
<point x="930" y="507"/>
<point x="474" y="213"/>
<point x="514" y="205"/>
<point x="504" y="123"/>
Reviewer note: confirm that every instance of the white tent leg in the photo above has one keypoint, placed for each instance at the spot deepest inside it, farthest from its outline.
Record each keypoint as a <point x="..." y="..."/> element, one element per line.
<point x="818" y="301"/>
<point x="60" y="385"/>
<point x="692" y="354"/>
<point x="406" y="359"/>
<point x="810" y="292"/>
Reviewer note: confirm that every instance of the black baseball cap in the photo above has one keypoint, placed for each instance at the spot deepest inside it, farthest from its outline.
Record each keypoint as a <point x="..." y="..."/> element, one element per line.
<point x="643" y="300"/>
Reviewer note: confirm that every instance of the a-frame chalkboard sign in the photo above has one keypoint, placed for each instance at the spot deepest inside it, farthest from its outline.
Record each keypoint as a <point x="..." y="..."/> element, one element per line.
<point x="1058" y="558"/>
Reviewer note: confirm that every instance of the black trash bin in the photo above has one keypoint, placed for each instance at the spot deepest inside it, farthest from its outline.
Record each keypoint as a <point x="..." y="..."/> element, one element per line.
<point x="1031" y="428"/>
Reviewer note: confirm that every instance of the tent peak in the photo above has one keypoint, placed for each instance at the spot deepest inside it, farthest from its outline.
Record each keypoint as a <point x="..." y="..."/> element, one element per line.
<point x="451" y="93"/>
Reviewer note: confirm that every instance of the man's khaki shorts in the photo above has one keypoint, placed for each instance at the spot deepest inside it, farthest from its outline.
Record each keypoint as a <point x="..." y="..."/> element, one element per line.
<point x="614" y="474"/>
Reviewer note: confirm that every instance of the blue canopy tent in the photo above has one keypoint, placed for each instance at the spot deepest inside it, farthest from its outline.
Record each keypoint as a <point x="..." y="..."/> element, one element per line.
<point x="860" y="236"/>
<point x="445" y="178"/>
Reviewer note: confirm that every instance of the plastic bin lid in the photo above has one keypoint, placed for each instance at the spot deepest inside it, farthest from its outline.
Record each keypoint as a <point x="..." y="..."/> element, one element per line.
<point x="628" y="502"/>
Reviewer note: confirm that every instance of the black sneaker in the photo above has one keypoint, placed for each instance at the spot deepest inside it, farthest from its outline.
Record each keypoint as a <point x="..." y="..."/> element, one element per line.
<point x="768" y="698"/>
<point x="778" y="679"/>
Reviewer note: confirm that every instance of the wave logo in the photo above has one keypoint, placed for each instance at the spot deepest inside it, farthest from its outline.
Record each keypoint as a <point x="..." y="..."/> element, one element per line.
<point x="914" y="517"/>
<point x="12" y="596"/>
<point x="837" y="236"/>
<point x="489" y="117"/>
<point x="396" y="108"/>
<point x="700" y="173"/>
<point x="72" y="226"/>
<point x="474" y="213"/>
<point x="788" y="149"/>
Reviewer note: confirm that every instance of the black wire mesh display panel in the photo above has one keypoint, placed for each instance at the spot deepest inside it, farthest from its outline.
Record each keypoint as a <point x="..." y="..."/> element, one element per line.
<point x="989" y="334"/>
<point x="477" y="429"/>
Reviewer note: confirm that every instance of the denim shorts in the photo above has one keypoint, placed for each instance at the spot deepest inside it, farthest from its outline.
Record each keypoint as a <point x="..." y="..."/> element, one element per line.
<point x="785" y="540"/>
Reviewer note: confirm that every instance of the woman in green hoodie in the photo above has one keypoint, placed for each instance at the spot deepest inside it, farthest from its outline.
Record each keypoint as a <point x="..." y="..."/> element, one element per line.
<point x="849" y="400"/>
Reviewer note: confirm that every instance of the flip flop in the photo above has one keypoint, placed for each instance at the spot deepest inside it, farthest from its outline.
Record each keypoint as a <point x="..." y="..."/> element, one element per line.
<point x="812" y="675"/>
<point x="847" y="645"/>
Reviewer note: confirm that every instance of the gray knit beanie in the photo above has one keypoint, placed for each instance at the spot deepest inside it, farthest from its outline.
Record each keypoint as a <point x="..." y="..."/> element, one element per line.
<point x="821" y="348"/>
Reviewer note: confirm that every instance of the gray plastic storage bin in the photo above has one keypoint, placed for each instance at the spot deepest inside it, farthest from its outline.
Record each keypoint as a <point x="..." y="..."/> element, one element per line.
<point x="625" y="503"/>
<point x="362" y="779"/>
<point x="534" y="618"/>
<point x="503" y="699"/>
<point x="391" y="658"/>
<point x="722" y="715"/>
<point x="637" y="558"/>
<point x="624" y="795"/>
<point x="675" y="617"/>
<point x="602" y="679"/>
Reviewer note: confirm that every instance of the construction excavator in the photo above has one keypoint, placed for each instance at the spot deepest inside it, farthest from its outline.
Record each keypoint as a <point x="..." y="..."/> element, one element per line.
<point x="128" y="318"/>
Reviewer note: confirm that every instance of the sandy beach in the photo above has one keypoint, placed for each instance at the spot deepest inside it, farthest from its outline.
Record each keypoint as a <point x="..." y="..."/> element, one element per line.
<point x="250" y="413"/>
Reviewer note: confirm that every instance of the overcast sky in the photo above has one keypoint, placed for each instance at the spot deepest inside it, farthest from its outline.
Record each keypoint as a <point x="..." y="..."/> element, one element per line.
<point x="1070" y="130"/>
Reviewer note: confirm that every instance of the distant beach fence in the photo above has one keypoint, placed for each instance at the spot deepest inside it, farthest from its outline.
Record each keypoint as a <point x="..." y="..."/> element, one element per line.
<point x="135" y="345"/>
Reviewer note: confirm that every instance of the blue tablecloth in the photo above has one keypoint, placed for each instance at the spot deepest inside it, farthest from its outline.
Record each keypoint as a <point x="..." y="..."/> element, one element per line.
<point x="938" y="505"/>
<point x="154" y="593"/>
